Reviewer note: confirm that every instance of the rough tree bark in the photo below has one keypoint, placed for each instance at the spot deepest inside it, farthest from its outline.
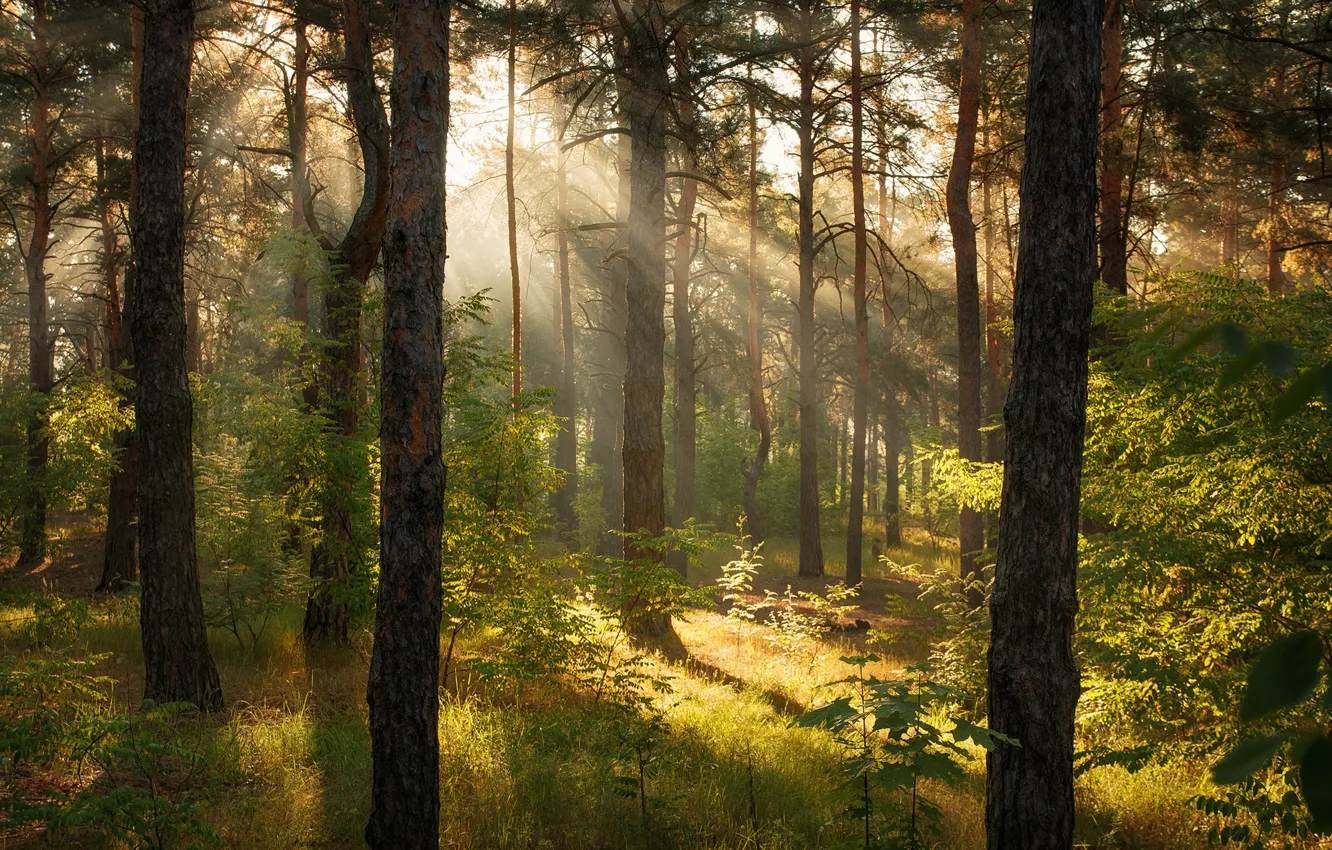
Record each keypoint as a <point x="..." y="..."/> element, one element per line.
<point x="352" y="260"/>
<point x="686" y="385"/>
<point x="861" y="394"/>
<point x="403" y="690"/>
<point x="179" y="667"/>
<point x="404" y="675"/>
<point x="644" y="450"/>
<point x="971" y="529"/>
<point x="758" y="402"/>
<point x="32" y="531"/>
<point x="811" y="540"/>
<point x="1033" y="677"/>
<point x="1114" y="245"/>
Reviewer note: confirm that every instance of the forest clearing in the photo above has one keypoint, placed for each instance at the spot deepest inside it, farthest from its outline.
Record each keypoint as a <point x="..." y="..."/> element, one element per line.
<point x="665" y="424"/>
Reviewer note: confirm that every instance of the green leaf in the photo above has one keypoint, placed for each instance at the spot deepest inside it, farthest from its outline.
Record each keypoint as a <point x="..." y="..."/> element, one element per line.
<point x="829" y="715"/>
<point x="1316" y="783"/>
<point x="987" y="738"/>
<point x="1284" y="674"/>
<point x="1244" y="760"/>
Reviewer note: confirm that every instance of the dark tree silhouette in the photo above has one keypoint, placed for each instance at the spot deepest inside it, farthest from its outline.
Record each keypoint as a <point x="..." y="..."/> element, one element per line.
<point x="179" y="667"/>
<point x="403" y="691"/>
<point x="1033" y="678"/>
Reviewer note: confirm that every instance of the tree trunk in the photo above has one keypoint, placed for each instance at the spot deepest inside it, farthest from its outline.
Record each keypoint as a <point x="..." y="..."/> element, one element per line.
<point x="193" y="347"/>
<point x="511" y="202"/>
<point x="811" y="541"/>
<point x="645" y="303"/>
<point x="1276" y="278"/>
<point x="297" y="135"/>
<point x="566" y="401"/>
<point x="971" y="530"/>
<point x="994" y="344"/>
<point x="403" y="690"/>
<point x="1114" y="259"/>
<point x="119" y="566"/>
<point x="860" y="399"/>
<point x="686" y="386"/>
<point x="326" y="610"/>
<point x="1033" y="677"/>
<point x="607" y="446"/>
<point x="179" y="667"/>
<point x="1229" y="228"/>
<point x="892" y="505"/>
<point x="758" y="401"/>
<point x="32" y="535"/>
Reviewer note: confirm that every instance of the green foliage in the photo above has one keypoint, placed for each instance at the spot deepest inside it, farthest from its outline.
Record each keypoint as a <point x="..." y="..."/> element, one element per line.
<point x="144" y="789"/>
<point x="892" y="739"/>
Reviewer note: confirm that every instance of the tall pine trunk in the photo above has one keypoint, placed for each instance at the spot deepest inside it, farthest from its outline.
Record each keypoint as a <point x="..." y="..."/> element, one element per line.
<point x="644" y="450"/>
<point x="403" y="690"/>
<point x="811" y="540"/>
<point x="1114" y="259"/>
<point x="179" y="667"/>
<point x="758" y="402"/>
<point x="1033" y="676"/>
<point x="892" y="425"/>
<point x="686" y="379"/>
<point x="860" y="399"/>
<point x="566" y="401"/>
<point x="120" y="564"/>
<point x="511" y="204"/>
<point x="32" y="534"/>
<point x="971" y="530"/>
<point x="1276" y="187"/>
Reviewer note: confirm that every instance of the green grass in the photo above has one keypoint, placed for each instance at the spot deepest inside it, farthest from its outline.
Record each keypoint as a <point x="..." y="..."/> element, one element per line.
<point x="288" y="764"/>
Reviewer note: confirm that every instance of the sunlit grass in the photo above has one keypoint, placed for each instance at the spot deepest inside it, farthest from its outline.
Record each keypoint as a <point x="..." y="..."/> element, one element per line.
<point x="548" y="766"/>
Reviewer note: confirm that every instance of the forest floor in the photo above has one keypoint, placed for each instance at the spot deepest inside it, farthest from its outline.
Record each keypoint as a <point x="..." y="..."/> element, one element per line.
<point x="287" y="765"/>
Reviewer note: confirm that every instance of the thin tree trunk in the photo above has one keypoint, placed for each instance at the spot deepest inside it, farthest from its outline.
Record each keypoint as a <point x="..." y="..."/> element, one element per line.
<point x="326" y="610"/>
<point x="1276" y="277"/>
<point x="511" y="202"/>
<point x="892" y="505"/>
<point x="811" y="541"/>
<point x="1229" y="228"/>
<point x="608" y="422"/>
<point x="32" y="537"/>
<point x="971" y="530"/>
<point x="566" y="402"/>
<point x="403" y="690"/>
<point x="120" y="565"/>
<point x="179" y="667"/>
<point x="757" y="400"/>
<point x="994" y="345"/>
<point x="193" y="346"/>
<point x="860" y="398"/>
<point x="1033" y="676"/>
<point x="1114" y="261"/>
<point x="686" y="379"/>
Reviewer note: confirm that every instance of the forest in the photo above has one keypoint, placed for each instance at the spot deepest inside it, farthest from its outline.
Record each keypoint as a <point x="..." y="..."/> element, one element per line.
<point x="647" y="424"/>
